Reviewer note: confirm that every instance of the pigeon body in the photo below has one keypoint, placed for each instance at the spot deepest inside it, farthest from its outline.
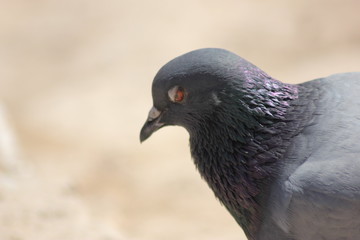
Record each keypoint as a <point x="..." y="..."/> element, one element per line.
<point x="283" y="159"/>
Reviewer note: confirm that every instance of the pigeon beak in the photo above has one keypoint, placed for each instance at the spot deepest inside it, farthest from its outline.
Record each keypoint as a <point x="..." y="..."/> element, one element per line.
<point x="151" y="125"/>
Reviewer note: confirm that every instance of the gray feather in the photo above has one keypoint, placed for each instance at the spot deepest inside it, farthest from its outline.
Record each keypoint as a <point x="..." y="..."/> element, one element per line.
<point x="283" y="159"/>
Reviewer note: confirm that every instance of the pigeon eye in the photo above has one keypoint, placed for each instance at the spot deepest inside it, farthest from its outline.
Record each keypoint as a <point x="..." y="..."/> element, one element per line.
<point x="176" y="94"/>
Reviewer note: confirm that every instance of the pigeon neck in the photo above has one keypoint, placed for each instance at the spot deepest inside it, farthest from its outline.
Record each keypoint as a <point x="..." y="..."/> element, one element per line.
<point x="237" y="149"/>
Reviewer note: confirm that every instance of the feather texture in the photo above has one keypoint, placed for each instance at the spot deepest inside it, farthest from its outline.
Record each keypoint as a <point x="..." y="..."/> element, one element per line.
<point x="283" y="159"/>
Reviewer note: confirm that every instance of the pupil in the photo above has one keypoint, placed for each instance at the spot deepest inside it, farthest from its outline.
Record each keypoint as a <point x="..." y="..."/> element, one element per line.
<point x="179" y="95"/>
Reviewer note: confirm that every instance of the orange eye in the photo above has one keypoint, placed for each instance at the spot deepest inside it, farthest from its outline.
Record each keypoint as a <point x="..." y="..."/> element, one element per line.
<point x="179" y="95"/>
<point x="176" y="94"/>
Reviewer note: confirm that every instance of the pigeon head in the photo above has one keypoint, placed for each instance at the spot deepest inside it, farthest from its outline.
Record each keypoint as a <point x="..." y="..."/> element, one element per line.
<point x="191" y="88"/>
<point x="235" y="115"/>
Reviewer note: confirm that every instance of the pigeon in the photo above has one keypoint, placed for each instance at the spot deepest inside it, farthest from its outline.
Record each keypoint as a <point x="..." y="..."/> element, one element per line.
<point x="283" y="159"/>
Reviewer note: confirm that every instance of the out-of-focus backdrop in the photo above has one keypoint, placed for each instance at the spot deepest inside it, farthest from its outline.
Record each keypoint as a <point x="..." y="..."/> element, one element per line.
<point x="75" y="79"/>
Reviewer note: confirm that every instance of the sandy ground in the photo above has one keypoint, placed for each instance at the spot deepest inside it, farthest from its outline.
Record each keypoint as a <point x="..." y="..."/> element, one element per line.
<point x="75" y="81"/>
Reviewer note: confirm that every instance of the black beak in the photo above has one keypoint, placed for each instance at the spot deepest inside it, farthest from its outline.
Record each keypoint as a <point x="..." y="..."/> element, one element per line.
<point x="151" y="125"/>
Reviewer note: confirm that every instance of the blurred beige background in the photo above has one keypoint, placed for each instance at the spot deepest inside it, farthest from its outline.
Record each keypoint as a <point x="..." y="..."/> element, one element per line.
<point x="75" y="78"/>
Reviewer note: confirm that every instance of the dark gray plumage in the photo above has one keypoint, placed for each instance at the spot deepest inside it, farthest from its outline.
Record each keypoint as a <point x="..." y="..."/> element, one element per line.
<point x="283" y="159"/>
